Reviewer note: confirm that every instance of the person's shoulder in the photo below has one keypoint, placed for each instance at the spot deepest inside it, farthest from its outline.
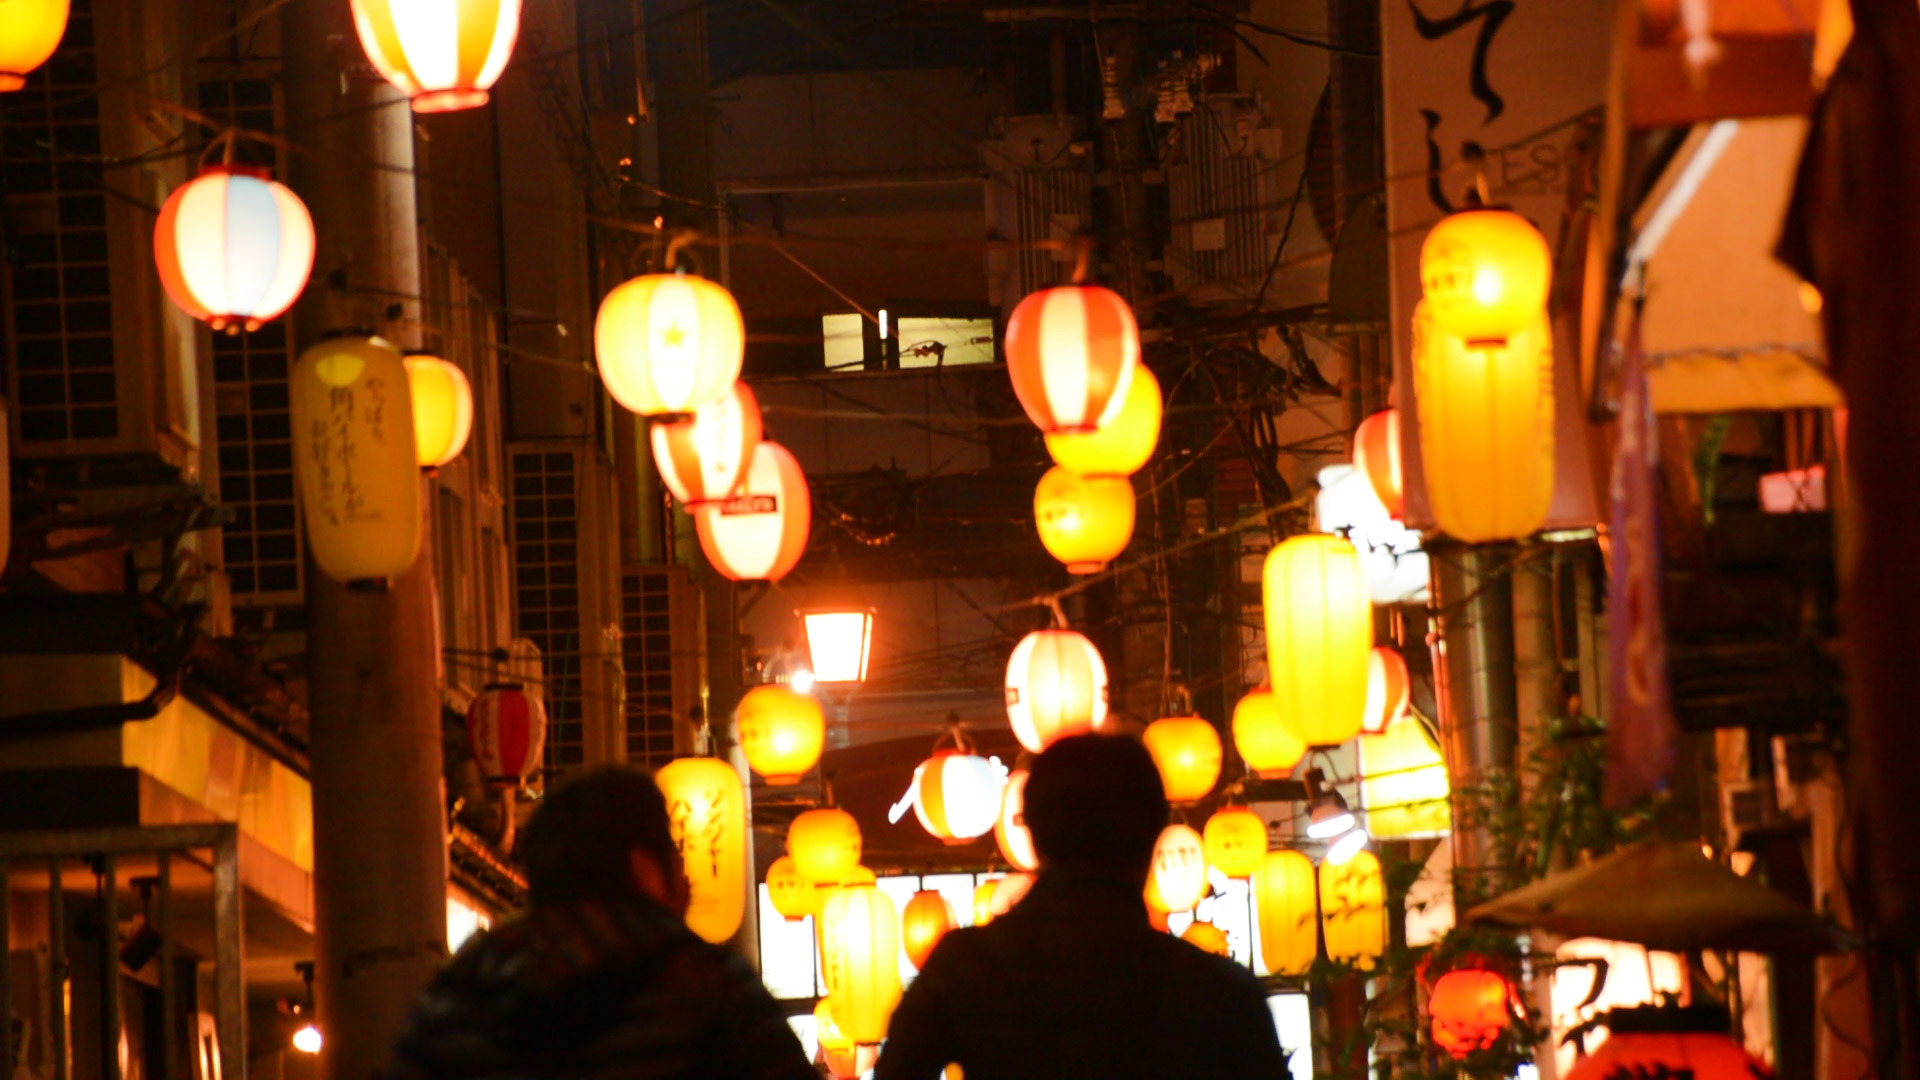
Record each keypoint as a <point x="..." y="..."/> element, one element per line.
<point x="1195" y="965"/>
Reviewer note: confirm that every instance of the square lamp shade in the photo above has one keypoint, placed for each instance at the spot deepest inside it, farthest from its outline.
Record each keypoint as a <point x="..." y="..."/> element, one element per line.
<point x="839" y="641"/>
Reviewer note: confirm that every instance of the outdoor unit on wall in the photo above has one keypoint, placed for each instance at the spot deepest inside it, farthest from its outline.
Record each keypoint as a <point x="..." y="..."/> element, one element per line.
<point x="1221" y="193"/>
<point x="547" y="610"/>
<point x="1039" y="187"/>
<point x="660" y="660"/>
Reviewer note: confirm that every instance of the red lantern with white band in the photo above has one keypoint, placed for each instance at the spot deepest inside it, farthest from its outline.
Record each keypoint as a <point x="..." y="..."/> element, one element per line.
<point x="507" y="728"/>
<point x="1071" y="353"/>
<point x="702" y="458"/>
<point x="759" y="533"/>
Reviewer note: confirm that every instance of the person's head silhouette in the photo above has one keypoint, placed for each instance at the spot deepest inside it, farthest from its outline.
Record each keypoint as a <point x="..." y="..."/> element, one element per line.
<point x="1096" y="801"/>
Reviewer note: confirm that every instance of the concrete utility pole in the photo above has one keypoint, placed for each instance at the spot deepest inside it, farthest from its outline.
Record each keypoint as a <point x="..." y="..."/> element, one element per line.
<point x="1479" y="707"/>
<point x="380" y="855"/>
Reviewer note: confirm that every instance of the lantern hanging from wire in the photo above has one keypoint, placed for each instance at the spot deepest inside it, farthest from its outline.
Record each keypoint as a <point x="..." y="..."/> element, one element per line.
<point x="860" y="931"/>
<point x="1010" y="832"/>
<point x="1056" y="686"/>
<point x="825" y="845"/>
<point x="1234" y="841"/>
<point x="1122" y="446"/>
<point x="923" y="922"/>
<point x="706" y="810"/>
<point x="1468" y="1009"/>
<point x="1283" y="897"/>
<point x="983" y="901"/>
<point x="442" y="409"/>
<point x="30" y="30"/>
<point x="1404" y="782"/>
<point x="353" y="458"/>
<point x="956" y="795"/>
<point x="1484" y="274"/>
<point x="703" y="457"/>
<point x="668" y="344"/>
<point x="1389" y="689"/>
<point x="1072" y="352"/>
<point x="1657" y="1040"/>
<point x="1353" y="910"/>
<point x="1083" y="521"/>
<point x="233" y="248"/>
<point x="791" y="894"/>
<point x="443" y="55"/>
<point x="782" y="732"/>
<point x="1179" y="878"/>
<point x="1376" y="451"/>
<point x="1269" y="747"/>
<point x="1208" y="938"/>
<point x="506" y="729"/>
<point x="1186" y="750"/>
<point x="761" y="532"/>
<point x="1319" y="621"/>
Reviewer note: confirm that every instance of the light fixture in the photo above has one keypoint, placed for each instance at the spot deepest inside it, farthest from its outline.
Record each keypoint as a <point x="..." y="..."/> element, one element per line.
<point x="307" y="1040"/>
<point x="839" y="642"/>
<point x="801" y="680"/>
<point x="1341" y="851"/>
<point x="1329" y="816"/>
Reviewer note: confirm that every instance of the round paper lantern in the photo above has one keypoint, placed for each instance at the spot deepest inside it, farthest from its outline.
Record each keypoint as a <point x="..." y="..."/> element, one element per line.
<point x="1283" y="898"/>
<point x="923" y="922"/>
<point x="1469" y="1008"/>
<point x="1207" y="937"/>
<point x="1269" y="747"/>
<point x="442" y="410"/>
<point x="761" y="532"/>
<point x="1186" y="749"/>
<point x="1486" y="429"/>
<point x="1179" y="878"/>
<point x="29" y="32"/>
<point x="444" y="55"/>
<point x="1376" y="450"/>
<point x="1008" y="891"/>
<point x="1235" y="841"/>
<point x="703" y="457"/>
<point x="233" y="248"/>
<point x="1072" y="353"/>
<point x="1010" y="832"/>
<point x="707" y="811"/>
<point x="1124" y="445"/>
<point x="1656" y="1040"/>
<point x="668" y="343"/>
<point x="861" y="934"/>
<point x="956" y="796"/>
<point x="1084" y="521"/>
<point x="1389" y="689"/>
<point x="983" y="901"/>
<point x="1353" y="910"/>
<point x="1404" y="782"/>
<point x="825" y="845"/>
<point x="1319" y="615"/>
<point x="354" y="458"/>
<point x="1485" y="274"/>
<point x="792" y="895"/>
<point x="506" y="727"/>
<point x="781" y="732"/>
<point x="844" y="1058"/>
<point x="1056" y="686"/>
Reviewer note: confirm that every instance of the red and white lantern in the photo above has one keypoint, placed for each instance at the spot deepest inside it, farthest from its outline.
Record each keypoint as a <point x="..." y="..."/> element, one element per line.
<point x="1056" y="686"/>
<point x="956" y="796"/>
<point x="759" y="533"/>
<point x="1389" y="690"/>
<point x="1072" y="352"/>
<point x="233" y="248"/>
<point x="1376" y="450"/>
<point x="702" y="458"/>
<point x="507" y="728"/>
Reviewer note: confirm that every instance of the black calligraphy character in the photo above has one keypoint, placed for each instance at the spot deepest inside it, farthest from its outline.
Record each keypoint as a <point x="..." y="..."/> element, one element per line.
<point x="1492" y="13"/>
<point x="1435" y="164"/>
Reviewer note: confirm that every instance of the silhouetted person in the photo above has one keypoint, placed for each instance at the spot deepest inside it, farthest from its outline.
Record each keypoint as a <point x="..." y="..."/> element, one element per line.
<point x="1074" y="983"/>
<point x="601" y="978"/>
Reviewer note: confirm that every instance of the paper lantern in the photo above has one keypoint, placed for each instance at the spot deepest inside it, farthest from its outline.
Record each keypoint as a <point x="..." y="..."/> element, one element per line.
<point x="354" y="458"/>
<point x="1376" y="451"/>
<point x="233" y="248"/>
<point x="791" y="894"/>
<point x="1186" y="750"/>
<point x="845" y="1059"/>
<point x="668" y="343"/>
<point x="443" y="55"/>
<point x="1404" y="782"/>
<point x="1122" y="446"/>
<point x="1486" y="430"/>
<point x="29" y="32"/>
<point x="861" y="933"/>
<point x="707" y="812"/>
<point x="703" y="457"/>
<point x="1485" y="274"/>
<point x="956" y="796"/>
<point x="1469" y="1008"/>
<point x="1084" y="521"/>
<point x="1235" y="841"/>
<point x="1007" y="893"/>
<point x="1209" y="938"/>
<point x="825" y="845"/>
<point x="983" y="901"/>
<point x="825" y="891"/>
<point x="506" y="728"/>
<point x="1668" y="1041"/>
<point x="1283" y="898"/>
<point x="442" y="410"/>
<point x="1389" y="689"/>
<point x="1056" y="686"/>
<point x="1353" y="910"/>
<point x="923" y="922"/>
<point x="781" y="732"/>
<point x="761" y="532"/>
<point x="1179" y="877"/>
<point x="1010" y="832"/>
<point x="1319" y="617"/>
<point x="1269" y="747"/>
<point x="1072" y="353"/>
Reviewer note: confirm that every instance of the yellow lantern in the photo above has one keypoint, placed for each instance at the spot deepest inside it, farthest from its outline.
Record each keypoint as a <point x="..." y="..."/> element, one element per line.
<point x="1353" y="910"/>
<point x="1084" y="521"/>
<point x="1010" y="832"/>
<point x="1389" y="689"/>
<point x="1269" y="747"/>
<point x="761" y="532"/>
<point x="1186" y="749"/>
<point x="1008" y="891"/>
<point x="353" y="453"/>
<point x="29" y="32"/>
<point x="1284" y="899"/>
<point x="1404" y="782"/>
<point x="1121" y="446"/>
<point x="703" y="457"/>
<point x="1485" y="275"/>
<point x="983" y="901"/>
<point x="442" y="410"/>
<point x="668" y="343"/>
<point x="956" y="796"/>
<point x="707" y="810"/>
<point x="1486" y="429"/>
<point x="781" y="732"/>
<point x="1319" y="611"/>
<point x="1056" y="686"/>
<point x="793" y="896"/>
<point x="844" y="1058"/>
<point x="443" y="55"/>
<point x="923" y="922"/>
<point x="1179" y="878"/>
<point x="232" y="247"/>
<point x="861" y="933"/>
<point x="1235" y="841"/>
<point x="1207" y="937"/>
<point x="1071" y="353"/>
<point x="1376" y="452"/>
<point x="825" y="845"/>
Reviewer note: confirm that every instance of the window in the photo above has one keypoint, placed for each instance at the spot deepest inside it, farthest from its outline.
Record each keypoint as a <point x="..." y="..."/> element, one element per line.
<point x="940" y="342"/>
<point x="844" y="342"/>
<point x="850" y="341"/>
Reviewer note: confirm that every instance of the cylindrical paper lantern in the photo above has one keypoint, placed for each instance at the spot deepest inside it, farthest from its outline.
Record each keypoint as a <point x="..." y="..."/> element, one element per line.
<point x="956" y="796"/>
<point x="1353" y="910"/>
<point x="707" y="810"/>
<point x="781" y="732"/>
<point x="1269" y="747"/>
<point x="702" y="458"/>
<point x="1179" y="878"/>
<point x="1485" y="274"/>
<point x="825" y="845"/>
<point x="233" y="247"/>
<point x="1010" y="832"/>
<point x="793" y="896"/>
<point x="844" y="1058"/>
<point x="1072" y="353"/>
<point x="1235" y="841"/>
<point x="442" y="409"/>
<point x="1084" y="521"/>
<point x="923" y="922"/>
<point x="1319" y="616"/>
<point x="668" y="343"/>
<point x="1283" y="896"/>
<point x="30" y="30"/>
<point x="1056" y="686"/>
<point x="1376" y="450"/>
<point x="507" y="729"/>
<point x="861" y="933"/>
<point x="1389" y="689"/>
<point x="761" y="532"/>
<point x="443" y="55"/>
<point x="1124" y="445"/>
<point x="353" y="458"/>
<point x="1186" y="749"/>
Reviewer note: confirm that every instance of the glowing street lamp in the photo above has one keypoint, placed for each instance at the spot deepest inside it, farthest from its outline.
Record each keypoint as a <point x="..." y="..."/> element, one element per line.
<point x="839" y="643"/>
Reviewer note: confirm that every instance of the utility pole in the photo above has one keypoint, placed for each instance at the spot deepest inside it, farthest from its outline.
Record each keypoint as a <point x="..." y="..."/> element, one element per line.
<point x="380" y="855"/>
<point x="1479" y="707"/>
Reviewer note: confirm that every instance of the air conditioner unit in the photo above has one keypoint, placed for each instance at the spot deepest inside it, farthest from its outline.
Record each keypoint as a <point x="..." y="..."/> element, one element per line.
<point x="1039" y="187"/>
<point x="660" y="660"/>
<point x="1222" y="194"/>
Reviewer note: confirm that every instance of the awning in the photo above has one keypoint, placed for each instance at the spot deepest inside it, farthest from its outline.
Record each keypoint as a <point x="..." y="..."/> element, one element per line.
<point x="1740" y="380"/>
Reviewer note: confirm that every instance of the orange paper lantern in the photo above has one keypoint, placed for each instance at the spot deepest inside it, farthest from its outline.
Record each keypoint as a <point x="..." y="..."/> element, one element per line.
<point x="702" y="458"/>
<point x="983" y="901"/>
<point x="444" y="56"/>
<point x="860" y="935"/>
<point x="1269" y="747"/>
<point x="923" y="922"/>
<point x="1235" y="841"/>
<point x="792" y="895"/>
<point x="1484" y="274"/>
<point x="782" y="732"/>
<point x="1010" y="832"/>
<point x="668" y="344"/>
<point x="1353" y="910"/>
<point x="1667" y="1041"/>
<point x="1376" y="450"/>
<point x="1122" y="446"/>
<point x="844" y="1058"/>
<point x="1084" y="521"/>
<point x="1186" y="750"/>
<point x="1469" y="1009"/>
<point x="1207" y="937"/>
<point x="825" y="845"/>
<point x="233" y="247"/>
<point x="1389" y="689"/>
<point x="1072" y="353"/>
<point x="1319" y="618"/>
<point x="442" y="409"/>
<point x="1283" y="897"/>
<point x="1056" y="686"/>
<point x="761" y="532"/>
<point x="30" y="30"/>
<point x="706" y="806"/>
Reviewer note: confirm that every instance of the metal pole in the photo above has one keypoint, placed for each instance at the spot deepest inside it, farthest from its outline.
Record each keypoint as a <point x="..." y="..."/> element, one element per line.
<point x="109" y="968"/>
<point x="57" y="970"/>
<point x="229" y="957"/>
<point x="169" y="998"/>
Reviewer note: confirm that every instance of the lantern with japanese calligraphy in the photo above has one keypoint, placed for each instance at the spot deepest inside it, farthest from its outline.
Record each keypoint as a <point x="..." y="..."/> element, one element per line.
<point x="983" y="901"/>
<point x="353" y="458"/>
<point x="1389" y="689"/>
<point x="1319" y="619"/>
<point x="1186" y="750"/>
<point x="923" y="922"/>
<point x="703" y="457"/>
<point x="1235" y="841"/>
<point x="1469" y="1008"/>
<point x="442" y="409"/>
<point x="845" y="1059"/>
<point x="825" y="891"/>
<point x="29" y="32"/>
<point x="825" y="844"/>
<point x="1056" y="686"/>
<point x="506" y="728"/>
<point x="1269" y="747"/>
<point x="444" y="56"/>
<point x="233" y="247"/>
<point x="956" y="796"/>
<point x="1179" y="877"/>
<point x="861" y="933"/>
<point x="1404" y="782"/>
<point x="1072" y="353"/>
<point x="1484" y="273"/>
<point x="1283" y="897"/>
<point x="668" y="343"/>
<point x="1376" y="450"/>
<point x="760" y="532"/>
<point x="1010" y="832"/>
<point x="1207" y="937"/>
<point x="706" y="810"/>
<point x="1084" y="521"/>
<point x="781" y="732"/>
<point x="791" y="894"/>
<point x="1353" y="910"/>
<point x="1121" y="446"/>
<point x="1657" y="1040"/>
